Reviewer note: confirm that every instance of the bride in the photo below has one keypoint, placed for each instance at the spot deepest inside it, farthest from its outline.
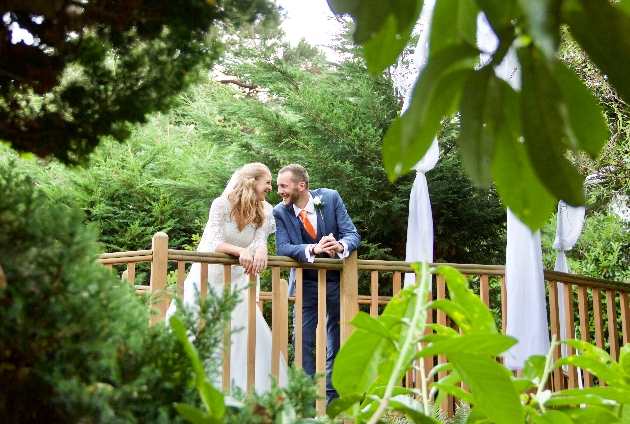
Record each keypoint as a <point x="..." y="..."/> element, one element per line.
<point x="240" y="222"/>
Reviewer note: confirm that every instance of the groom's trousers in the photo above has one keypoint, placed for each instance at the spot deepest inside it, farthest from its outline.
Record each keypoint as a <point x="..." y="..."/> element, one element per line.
<point x="309" y="326"/>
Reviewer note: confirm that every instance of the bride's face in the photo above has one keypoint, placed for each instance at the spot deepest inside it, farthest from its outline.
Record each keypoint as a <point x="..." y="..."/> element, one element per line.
<point x="262" y="186"/>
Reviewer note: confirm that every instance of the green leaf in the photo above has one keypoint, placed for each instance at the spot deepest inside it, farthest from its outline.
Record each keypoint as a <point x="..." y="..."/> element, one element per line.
<point x="612" y="375"/>
<point x="213" y="399"/>
<point x="475" y="344"/>
<point x="356" y="363"/>
<point x="411" y="408"/>
<point x="543" y="127"/>
<point x="490" y="385"/>
<point x="589" y="349"/>
<point x="382" y="27"/>
<point x="441" y="330"/>
<point x="442" y="367"/>
<point x="453" y="390"/>
<point x="603" y="31"/>
<point x="453" y="22"/>
<point x="588" y="130"/>
<point x="434" y="96"/>
<point x="591" y="414"/>
<point x="369" y="323"/>
<point x="543" y="23"/>
<point x="455" y="311"/>
<point x="337" y="406"/>
<point x="180" y="332"/>
<point x="534" y="368"/>
<point x="605" y="392"/>
<point x="624" y="359"/>
<point x="480" y="317"/>
<point x="552" y="417"/>
<point x="475" y="142"/>
<point x="194" y="415"/>
<point x="521" y="385"/>
<point x="383" y="49"/>
<point x="517" y="183"/>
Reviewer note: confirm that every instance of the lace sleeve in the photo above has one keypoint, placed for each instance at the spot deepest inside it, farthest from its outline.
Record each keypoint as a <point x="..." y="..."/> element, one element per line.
<point x="268" y="227"/>
<point x="219" y="214"/>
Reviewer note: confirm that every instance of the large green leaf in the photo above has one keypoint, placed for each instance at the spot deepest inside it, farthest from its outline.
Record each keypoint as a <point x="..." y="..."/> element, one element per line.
<point x="612" y="375"/>
<point x="453" y="22"/>
<point x="337" y="406"/>
<point x="588" y="130"/>
<point x="194" y="415"/>
<point x="476" y="145"/>
<point x="383" y="49"/>
<point x="480" y="317"/>
<point x="604" y="392"/>
<point x="491" y="386"/>
<point x="543" y="23"/>
<point x="543" y="125"/>
<point x="383" y="27"/>
<point x="411" y="408"/>
<point x="516" y="181"/>
<point x="624" y="359"/>
<point x="475" y="344"/>
<point x="434" y="96"/>
<point x="603" y="30"/>
<point x="591" y="414"/>
<point x="356" y="363"/>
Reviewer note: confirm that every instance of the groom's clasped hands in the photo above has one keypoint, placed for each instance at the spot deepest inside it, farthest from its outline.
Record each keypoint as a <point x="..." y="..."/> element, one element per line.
<point x="329" y="245"/>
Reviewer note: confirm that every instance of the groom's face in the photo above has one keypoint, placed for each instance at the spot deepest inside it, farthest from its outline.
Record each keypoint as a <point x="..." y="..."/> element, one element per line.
<point x="288" y="189"/>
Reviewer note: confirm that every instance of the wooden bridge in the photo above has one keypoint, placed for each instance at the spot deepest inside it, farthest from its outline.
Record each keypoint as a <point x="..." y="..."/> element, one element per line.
<point x="602" y="297"/>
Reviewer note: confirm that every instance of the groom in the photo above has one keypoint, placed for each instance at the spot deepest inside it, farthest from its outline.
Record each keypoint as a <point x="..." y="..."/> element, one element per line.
<point x="314" y="224"/>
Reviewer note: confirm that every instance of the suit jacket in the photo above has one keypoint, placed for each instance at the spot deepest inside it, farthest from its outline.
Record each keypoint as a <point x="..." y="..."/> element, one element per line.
<point x="331" y="218"/>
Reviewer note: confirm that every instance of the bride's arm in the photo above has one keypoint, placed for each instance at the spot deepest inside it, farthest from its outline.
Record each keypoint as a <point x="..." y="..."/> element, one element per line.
<point x="219" y="214"/>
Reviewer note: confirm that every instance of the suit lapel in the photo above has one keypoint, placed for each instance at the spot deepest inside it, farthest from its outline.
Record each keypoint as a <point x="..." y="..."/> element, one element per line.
<point x="319" y="213"/>
<point x="295" y="221"/>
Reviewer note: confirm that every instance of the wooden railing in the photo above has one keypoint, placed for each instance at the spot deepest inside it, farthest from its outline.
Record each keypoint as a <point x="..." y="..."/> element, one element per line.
<point x="585" y="292"/>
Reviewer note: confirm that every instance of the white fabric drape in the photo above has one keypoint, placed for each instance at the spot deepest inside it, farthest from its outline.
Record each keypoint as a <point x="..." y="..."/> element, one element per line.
<point x="420" y="224"/>
<point x="526" y="304"/>
<point x="568" y="230"/>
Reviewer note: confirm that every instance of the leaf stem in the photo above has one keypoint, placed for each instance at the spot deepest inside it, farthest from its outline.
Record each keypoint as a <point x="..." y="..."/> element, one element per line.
<point x="419" y="315"/>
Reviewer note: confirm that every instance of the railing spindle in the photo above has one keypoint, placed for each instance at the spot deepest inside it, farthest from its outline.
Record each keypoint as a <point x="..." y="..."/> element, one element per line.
<point x="320" y="349"/>
<point x="625" y="316"/>
<point x="227" y="346"/>
<point x="554" y="315"/>
<point x="297" y="310"/>
<point x="569" y="317"/>
<point x="598" y="321"/>
<point x="251" y="334"/>
<point x="613" y="335"/>
<point x="585" y="333"/>
<point x="374" y="294"/>
<point x="484" y="289"/>
<point x="159" y="271"/>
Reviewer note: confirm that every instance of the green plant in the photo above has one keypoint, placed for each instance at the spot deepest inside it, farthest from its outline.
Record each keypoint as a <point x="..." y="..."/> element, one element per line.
<point x="382" y="349"/>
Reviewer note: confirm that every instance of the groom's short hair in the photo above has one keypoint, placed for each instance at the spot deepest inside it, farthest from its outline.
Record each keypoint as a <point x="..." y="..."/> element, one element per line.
<point x="298" y="172"/>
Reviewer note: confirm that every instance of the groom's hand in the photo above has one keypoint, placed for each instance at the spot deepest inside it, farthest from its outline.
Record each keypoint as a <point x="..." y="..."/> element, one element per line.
<point x="329" y="245"/>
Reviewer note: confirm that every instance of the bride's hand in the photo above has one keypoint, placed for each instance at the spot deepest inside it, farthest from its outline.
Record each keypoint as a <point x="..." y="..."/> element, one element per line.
<point x="246" y="261"/>
<point x="260" y="260"/>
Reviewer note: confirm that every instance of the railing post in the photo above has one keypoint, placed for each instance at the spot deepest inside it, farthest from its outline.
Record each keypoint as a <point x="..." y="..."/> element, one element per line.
<point x="159" y="271"/>
<point x="349" y="292"/>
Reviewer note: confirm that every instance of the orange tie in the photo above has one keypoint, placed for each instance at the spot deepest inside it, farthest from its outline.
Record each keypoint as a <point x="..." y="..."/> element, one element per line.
<point x="307" y="224"/>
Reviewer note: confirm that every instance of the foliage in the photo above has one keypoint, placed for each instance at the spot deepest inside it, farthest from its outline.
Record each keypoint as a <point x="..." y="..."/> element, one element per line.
<point x="382" y="349"/>
<point x="551" y="114"/>
<point x="602" y="251"/>
<point x="96" y="66"/>
<point x="75" y="342"/>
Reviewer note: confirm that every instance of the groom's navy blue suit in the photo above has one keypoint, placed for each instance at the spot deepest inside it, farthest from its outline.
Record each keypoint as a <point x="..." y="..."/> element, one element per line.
<point x="292" y="240"/>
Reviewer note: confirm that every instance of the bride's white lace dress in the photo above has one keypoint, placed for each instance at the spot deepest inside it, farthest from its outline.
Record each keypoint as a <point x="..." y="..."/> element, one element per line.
<point x="222" y="228"/>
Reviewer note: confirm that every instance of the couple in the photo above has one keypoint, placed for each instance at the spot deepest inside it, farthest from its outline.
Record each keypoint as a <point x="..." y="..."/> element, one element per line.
<point x="240" y="222"/>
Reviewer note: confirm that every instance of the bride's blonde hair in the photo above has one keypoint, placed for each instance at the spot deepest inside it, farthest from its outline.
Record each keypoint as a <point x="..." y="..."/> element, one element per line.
<point x="243" y="197"/>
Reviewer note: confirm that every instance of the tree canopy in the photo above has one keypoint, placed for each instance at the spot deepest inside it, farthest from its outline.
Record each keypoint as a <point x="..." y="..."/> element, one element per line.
<point x="95" y="66"/>
<point x="519" y="138"/>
